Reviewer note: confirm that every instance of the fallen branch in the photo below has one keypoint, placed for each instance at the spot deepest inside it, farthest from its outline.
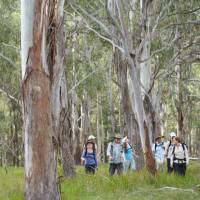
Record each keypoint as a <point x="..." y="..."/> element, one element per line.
<point x="179" y="189"/>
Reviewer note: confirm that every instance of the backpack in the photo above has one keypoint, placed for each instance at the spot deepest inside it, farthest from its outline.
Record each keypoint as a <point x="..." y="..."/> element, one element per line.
<point x="93" y="148"/>
<point x="183" y="146"/>
<point x="126" y="149"/>
<point x="162" y="144"/>
<point x="170" y="143"/>
<point x="111" y="150"/>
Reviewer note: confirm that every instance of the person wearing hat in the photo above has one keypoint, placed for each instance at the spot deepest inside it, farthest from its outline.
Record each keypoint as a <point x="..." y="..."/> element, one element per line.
<point x="168" y="151"/>
<point x="158" y="150"/>
<point x="129" y="156"/>
<point x="115" y="155"/>
<point x="92" y="138"/>
<point x="89" y="157"/>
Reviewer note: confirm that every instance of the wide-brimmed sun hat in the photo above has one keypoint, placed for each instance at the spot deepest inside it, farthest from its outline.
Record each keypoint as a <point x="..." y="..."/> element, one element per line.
<point x="160" y="136"/>
<point x="91" y="137"/>
<point x="118" y="136"/>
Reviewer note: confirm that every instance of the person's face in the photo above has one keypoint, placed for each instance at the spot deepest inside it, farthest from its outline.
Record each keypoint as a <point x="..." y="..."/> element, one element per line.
<point x="173" y="139"/>
<point x="158" y="140"/>
<point x="176" y="142"/>
<point x="117" y="140"/>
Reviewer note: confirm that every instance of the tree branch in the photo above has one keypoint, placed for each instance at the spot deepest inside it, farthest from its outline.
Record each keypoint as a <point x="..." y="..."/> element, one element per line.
<point x="103" y="26"/>
<point x="9" y="96"/>
<point x="8" y="60"/>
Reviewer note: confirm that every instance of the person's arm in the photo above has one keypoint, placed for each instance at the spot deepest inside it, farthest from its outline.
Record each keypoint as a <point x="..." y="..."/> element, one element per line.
<point x="109" y="152"/>
<point x="153" y="148"/>
<point x="124" y="140"/>
<point x="186" y="155"/>
<point x="166" y="148"/>
<point x="95" y="159"/>
<point x="172" y="158"/>
<point x="83" y="157"/>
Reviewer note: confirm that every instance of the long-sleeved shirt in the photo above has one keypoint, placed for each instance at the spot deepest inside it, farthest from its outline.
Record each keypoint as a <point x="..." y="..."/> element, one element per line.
<point x="179" y="154"/>
<point x="158" y="151"/>
<point x="115" y="151"/>
<point x="168" y="149"/>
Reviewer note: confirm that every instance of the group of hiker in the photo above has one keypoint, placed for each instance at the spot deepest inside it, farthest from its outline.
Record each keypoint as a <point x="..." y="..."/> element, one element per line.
<point x="174" y="151"/>
<point x="121" y="155"/>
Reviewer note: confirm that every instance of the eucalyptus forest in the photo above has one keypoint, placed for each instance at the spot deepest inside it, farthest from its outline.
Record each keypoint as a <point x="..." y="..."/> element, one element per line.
<point x="107" y="69"/>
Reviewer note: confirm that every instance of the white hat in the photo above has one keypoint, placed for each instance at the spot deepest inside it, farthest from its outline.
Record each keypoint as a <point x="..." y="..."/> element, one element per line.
<point x="91" y="137"/>
<point x="172" y="134"/>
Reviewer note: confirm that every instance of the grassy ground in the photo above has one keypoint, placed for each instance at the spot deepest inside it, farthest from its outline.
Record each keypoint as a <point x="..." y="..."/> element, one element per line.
<point x="133" y="186"/>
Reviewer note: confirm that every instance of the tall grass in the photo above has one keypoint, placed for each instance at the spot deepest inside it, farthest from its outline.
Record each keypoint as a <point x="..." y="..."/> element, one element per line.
<point x="132" y="186"/>
<point x="11" y="183"/>
<point x="136" y="185"/>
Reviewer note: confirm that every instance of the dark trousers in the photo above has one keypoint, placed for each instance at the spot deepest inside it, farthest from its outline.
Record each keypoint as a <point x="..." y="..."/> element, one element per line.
<point x="89" y="169"/>
<point x="179" y="168"/>
<point x="169" y="168"/>
<point x="115" y="167"/>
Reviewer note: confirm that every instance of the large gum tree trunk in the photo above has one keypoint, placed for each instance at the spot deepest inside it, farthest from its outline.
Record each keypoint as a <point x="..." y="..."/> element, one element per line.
<point x="111" y="106"/>
<point x="134" y="83"/>
<point x="41" y="70"/>
<point x="98" y="125"/>
<point x="129" y="116"/>
<point x="75" y="128"/>
<point x="85" y="117"/>
<point x="65" y="131"/>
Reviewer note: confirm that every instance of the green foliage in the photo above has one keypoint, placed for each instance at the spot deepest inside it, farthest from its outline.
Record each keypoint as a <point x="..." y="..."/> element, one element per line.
<point x="5" y="118"/>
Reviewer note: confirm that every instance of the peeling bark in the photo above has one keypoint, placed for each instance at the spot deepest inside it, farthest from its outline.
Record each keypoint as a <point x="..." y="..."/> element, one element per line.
<point x="150" y="162"/>
<point x="42" y="74"/>
<point x="40" y="154"/>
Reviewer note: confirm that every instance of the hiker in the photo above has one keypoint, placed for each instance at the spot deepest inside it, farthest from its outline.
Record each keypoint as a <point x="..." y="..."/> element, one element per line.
<point x="129" y="153"/>
<point x="168" y="151"/>
<point x="115" y="155"/>
<point x="89" y="158"/>
<point x="179" y="158"/>
<point x="92" y="139"/>
<point x="158" y="150"/>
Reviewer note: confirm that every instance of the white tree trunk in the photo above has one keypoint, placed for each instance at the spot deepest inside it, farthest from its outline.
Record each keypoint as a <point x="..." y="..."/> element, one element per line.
<point x="43" y="85"/>
<point x="85" y="117"/>
<point x="102" y="135"/>
<point x="27" y="17"/>
<point x="110" y="100"/>
<point x="98" y="125"/>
